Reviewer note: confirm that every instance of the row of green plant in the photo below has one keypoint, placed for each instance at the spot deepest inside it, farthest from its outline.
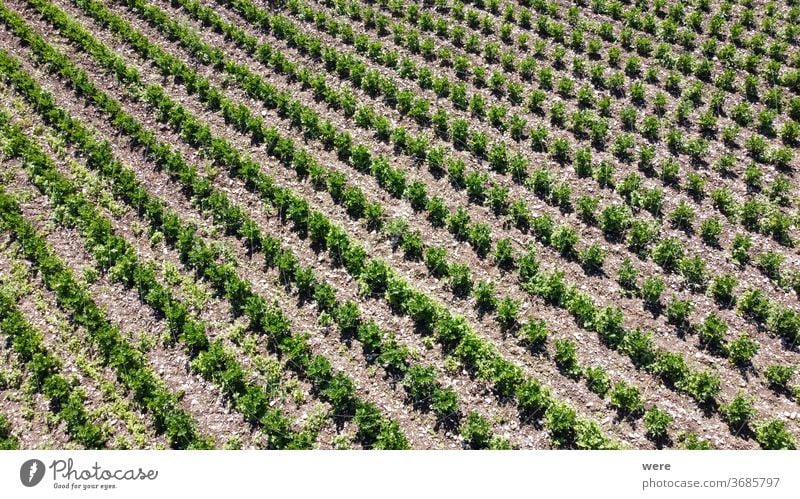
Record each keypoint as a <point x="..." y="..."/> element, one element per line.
<point x="376" y="342"/>
<point x="113" y="404"/>
<point x="690" y="267"/>
<point x="645" y="48"/>
<point x="118" y="258"/>
<point x="531" y="63"/>
<point x="486" y="300"/>
<point x="211" y="359"/>
<point x="507" y="310"/>
<point x="622" y="145"/>
<point x="507" y="378"/>
<point x="771" y="220"/>
<point x="396" y="358"/>
<point x="614" y="221"/>
<point x="66" y="400"/>
<point x="149" y="392"/>
<point x="8" y="441"/>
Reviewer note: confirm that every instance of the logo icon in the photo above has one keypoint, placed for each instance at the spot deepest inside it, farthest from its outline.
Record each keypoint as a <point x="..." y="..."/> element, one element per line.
<point x="31" y="472"/>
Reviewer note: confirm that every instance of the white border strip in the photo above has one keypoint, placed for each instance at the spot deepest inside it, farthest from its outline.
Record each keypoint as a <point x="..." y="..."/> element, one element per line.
<point x="374" y="474"/>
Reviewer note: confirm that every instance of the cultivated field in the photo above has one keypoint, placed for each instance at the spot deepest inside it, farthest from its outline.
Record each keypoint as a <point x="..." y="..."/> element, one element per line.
<point x="390" y="224"/>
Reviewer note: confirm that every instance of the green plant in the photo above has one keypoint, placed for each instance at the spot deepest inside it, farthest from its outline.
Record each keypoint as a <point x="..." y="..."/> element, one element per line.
<point x="640" y="235"/>
<point x="597" y="380"/>
<point x="721" y="289"/>
<point x="417" y="195"/>
<point x="651" y="291"/>
<point x="627" y="275"/>
<point x="475" y="431"/>
<point x="411" y="244"/>
<point x="444" y="405"/>
<point x="583" y="163"/>
<point x="609" y="326"/>
<point x="533" y="399"/>
<point x="629" y="189"/>
<point x="504" y="255"/>
<point x="626" y="400"/>
<point x="740" y="248"/>
<point x="420" y="383"/>
<point x="589" y="435"/>
<point x="691" y="441"/>
<point x="703" y="386"/>
<point x="752" y="213"/>
<point x="754" y="305"/>
<point x="723" y="200"/>
<point x="695" y="185"/>
<point x="682" y="216"/>
<point x="458" y="223"/>
<point x="640" y="347"/>
<point x="7" y="440"/>
<point x="561" y="421"/>
<point x="622" y="147"/>
<point x="670" y="169"/>
<point x="354" y="201"/>
<point x="480" y="238"/>
<point x="520" y="215"/>
<point x="592" y="257"/>
<point x="563" y="239"/>
<point x="652" y="200"/>
<point x="507" y="315"/>
<point x="738" y="412"/>
<point x="485" y="299"/>
<point x="528" y="267"/>
<point x="656" y="422"/>
<point x="678" y="311"/>
<point x="436" y="261"/>
<point x="460" y="279"/>
<point x="770" y="264"/>
<point x="668" y="253"/>
<point x="614" y="220"/>
<point x="753" y="176"/>
<point x="561" y="196"/>
<point x="773" y="435"/>
<point x="779" y="375"/>
<point x="476" y="183"/>
<point x="603" y="171"/>
<point x="741" y="350"/>
<point x="784" y="322"/>
<point x="710" y="230"/>
<point x="498" y="199"/>
<point x="712" y="332"/>
<point x="542" y="182"/>
<point x="693" y="271"/>
<point x="533" y="334"/>
<point x="566" y="357"/>
<point x="780" y="190"/>
<point x="587" y="208"/>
